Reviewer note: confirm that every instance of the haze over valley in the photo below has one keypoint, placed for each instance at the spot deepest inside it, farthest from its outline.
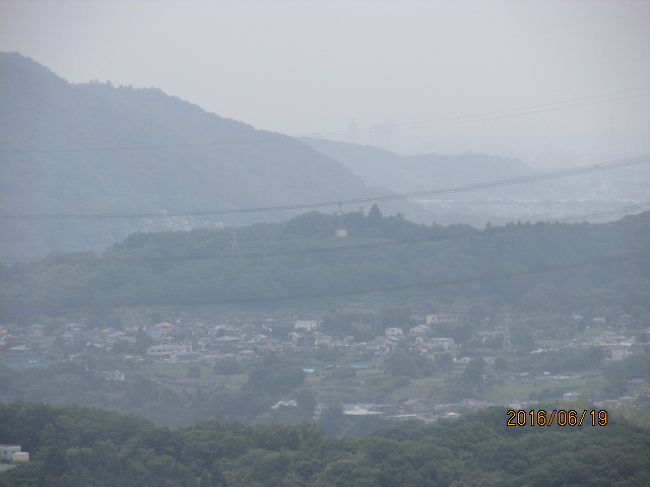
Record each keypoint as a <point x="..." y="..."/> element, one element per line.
<point x="324" y="243"/>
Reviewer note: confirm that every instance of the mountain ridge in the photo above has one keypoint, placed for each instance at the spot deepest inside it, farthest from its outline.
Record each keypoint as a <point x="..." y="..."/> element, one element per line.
<point x="406" y="173"/>
<point x="99" y="148"/>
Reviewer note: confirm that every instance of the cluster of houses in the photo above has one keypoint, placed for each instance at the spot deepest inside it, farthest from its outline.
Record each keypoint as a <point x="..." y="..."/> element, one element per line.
<point x="209" y="343"/>
<point x="413" y="408"/>
<point x="199" y="342"/>
<point x="203" y="342"/>
<point x="212" y="343"/>
<point x="615" y="345"/>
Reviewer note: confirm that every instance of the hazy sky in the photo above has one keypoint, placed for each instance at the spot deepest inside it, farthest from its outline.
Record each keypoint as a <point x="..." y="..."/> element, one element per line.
<point x="314" y="66"/>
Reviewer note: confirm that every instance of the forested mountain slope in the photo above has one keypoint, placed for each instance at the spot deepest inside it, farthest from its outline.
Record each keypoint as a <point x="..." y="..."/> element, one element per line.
<point x="96" y="148"/>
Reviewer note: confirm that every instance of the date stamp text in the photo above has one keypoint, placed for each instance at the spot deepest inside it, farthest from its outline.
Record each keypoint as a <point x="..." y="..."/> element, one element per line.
<point x="559" y="417"/>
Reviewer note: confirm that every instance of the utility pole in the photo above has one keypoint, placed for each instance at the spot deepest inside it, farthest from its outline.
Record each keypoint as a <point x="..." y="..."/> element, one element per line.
<point x="377" y="298"/>
<point x="235" y="242"/>
<point x="507" y="346"/>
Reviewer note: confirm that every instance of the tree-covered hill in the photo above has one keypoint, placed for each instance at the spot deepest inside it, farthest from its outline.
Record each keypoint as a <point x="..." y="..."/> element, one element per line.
<point x="537" y="267"/>
<point x="81" y="447"/>
<point x="96" y="148"/>
<point x="405" y="173"/>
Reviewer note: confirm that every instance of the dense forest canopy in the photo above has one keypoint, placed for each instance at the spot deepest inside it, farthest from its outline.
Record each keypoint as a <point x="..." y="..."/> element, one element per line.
<point x="545" y="266"/>
<point x="79" y="447"/>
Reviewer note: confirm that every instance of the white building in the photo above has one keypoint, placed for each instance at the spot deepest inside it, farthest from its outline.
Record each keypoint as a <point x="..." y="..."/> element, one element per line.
<point x="394" y="332"/>
<point x="13" y="454"/>
<point x="114" y="375"/>
<point x="436" y="318"/>
<point x="167" y="350"/>
<point x="20" y="457"/>
<point x="419" y="331"/>
<point x="307" y="325"/>
<point x="570" y="396"/>
<point x="442" y="343"/>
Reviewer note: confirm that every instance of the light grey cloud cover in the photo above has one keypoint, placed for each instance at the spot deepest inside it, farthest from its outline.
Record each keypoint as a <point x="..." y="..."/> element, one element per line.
<point x="313" y="66"/>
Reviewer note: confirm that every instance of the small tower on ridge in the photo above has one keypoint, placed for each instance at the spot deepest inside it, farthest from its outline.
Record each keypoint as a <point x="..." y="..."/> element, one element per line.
<point x="341" y="231"/>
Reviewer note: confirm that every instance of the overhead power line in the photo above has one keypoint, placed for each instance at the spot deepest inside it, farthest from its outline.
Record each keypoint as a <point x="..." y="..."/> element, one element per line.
<point x="467" y="280"/>
<point x="499" y="114"/>
<point x="541" y="176"/>
<point x="439" y="283"/>
<point x="237" y="254"/>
